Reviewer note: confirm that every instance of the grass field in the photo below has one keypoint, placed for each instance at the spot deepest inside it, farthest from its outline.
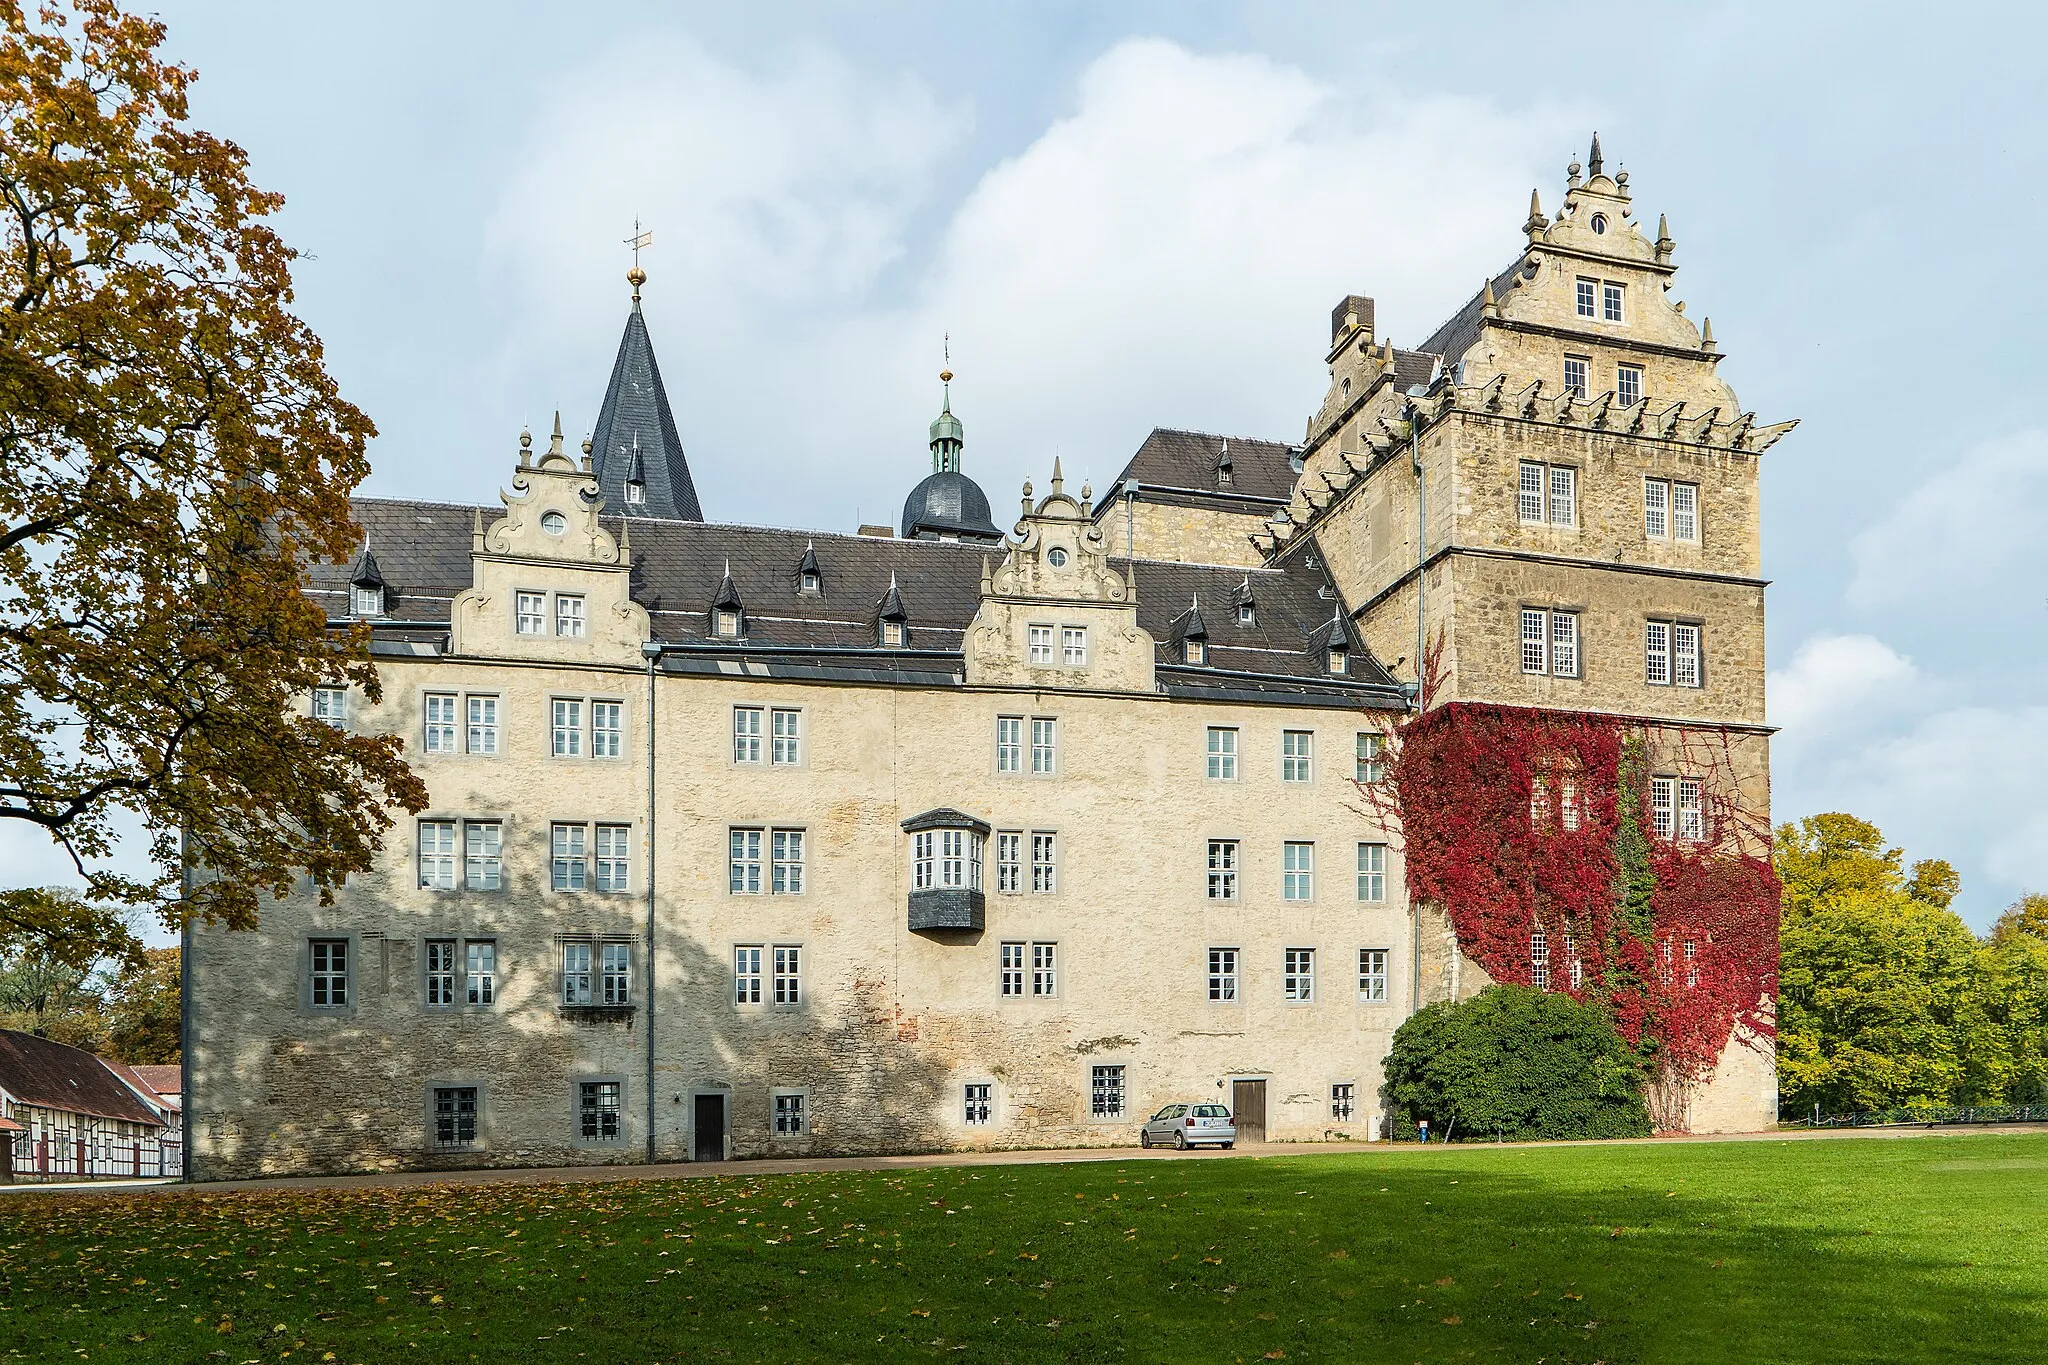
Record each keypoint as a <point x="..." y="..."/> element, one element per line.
<point x="1852" y="1250"/>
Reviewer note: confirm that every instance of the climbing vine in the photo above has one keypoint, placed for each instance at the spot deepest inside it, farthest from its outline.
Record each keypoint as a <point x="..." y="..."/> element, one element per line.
<point x="1534" y="830"/>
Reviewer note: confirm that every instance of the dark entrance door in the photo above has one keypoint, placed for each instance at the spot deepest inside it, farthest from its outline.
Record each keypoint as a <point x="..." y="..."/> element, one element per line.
<point x="709" y="1129"/>
<point x="1248" y="1105"/>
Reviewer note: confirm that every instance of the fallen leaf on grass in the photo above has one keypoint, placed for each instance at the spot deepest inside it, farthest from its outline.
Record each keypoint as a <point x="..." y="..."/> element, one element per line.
<point x="1027" y="1255"/>
<point x="1454" y="1321"/>
<point x="920" y="1312"/>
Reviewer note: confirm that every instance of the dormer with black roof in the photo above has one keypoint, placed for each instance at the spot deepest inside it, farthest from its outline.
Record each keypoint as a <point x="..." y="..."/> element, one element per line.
<point x="892" y="622"/>
<point x="728" y="619"/>
<point x="1190" y="635"/>
<point x="637" y="454"/>
<point x="946" y="504"/>
<point x="368" y="595"/>
<point x="810" y="579"/>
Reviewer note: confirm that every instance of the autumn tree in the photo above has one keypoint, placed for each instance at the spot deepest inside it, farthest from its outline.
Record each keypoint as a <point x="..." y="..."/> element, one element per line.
<point x="172" y="452"/>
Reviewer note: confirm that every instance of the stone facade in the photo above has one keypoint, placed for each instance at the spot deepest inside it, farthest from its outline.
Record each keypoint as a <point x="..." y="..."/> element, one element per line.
<point x="776" y="735"/>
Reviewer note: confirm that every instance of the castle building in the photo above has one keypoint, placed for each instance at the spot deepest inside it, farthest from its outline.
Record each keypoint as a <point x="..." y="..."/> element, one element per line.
<point x="746" y="841"/>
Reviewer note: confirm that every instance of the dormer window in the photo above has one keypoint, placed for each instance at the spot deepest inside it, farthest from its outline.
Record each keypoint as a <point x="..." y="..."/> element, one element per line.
<point x="366" y="600"/>
<point x="1194" y="651"/>
<point x="1223" y="475"/>
<point x="809" y="584"/>
<point x="1340" y="662"/>
<point x="1247" y="614"/>
<point x="636" y="494"/>
<point x="727" y="624"/>
<point x="892" y="634"/>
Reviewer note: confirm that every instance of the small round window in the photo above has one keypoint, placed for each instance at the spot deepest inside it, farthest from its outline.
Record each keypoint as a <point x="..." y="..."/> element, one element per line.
<point x="1599" y="222"/>
<point x="554" y="523"/>
<point x="1056" y="557"/>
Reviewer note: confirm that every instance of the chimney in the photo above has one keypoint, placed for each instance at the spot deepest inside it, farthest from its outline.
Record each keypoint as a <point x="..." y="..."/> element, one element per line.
<point x="1353" y="306"/>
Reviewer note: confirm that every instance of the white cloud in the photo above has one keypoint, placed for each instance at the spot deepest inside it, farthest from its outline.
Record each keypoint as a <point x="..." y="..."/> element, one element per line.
<point x="1964" y="537"/>
<point x="1838" y="680"/>
<point x="1167" y="253"/>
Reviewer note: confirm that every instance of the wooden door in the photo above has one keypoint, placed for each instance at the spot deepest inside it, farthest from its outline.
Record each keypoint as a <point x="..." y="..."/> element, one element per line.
<point x="708" y="1129"/>
<point x="1248" y="1106"/>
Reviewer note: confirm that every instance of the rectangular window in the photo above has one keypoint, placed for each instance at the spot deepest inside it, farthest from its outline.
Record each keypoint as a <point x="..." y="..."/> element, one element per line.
<point x="1372" y="873"/>
<point x="615" y="963"/>
<point x="789" y="1115"/>
<point x="923" y="861"/>
<point x="1009" y="744"/>
<point x="1044" y="862"/>
<point x="368" y="600"/>
<point x="1045" y="978"/>
<point x="330" y="704"/>
<point x="1223" y="869"/>
<point x="455" y="1116"/>
<point x="1564" y="644"/>
<point x="441" y="730"/>
<point x="1663" y="803"/>
<point x="1575" y="376"/>
<point x="1372" y="757"/>
<point x="1297" y="871"/>
<point x="1539" y="802"/>
<point x="1012" y="966"/>
<point x="440" y="971"/>
<point x="1074" y="646"/>
<point x="745" y="878"/>
<point x="1298" y="984"/>
<point x="952" y="858"/>
<point x="437" y="854"/>
<point x="1685" y="655"/>
<point x="1657" y="653"/>
<point x="785" y="737"/>
<point x="1539" y="960"/>
<point x="568" y="865"/>
<point x="1340" y="1100"/>
<point x="533" y="613"/>
<point x="787" y="978"/>
<point x="568" y="614"/>
<point x="1568" y="802"/>
<point x="1106" y="1092"/>
<point x="746" y="975"/>
<point x="746" y="734"/>
<point x="786" y="860"/>
<point x="1685" y="512"/>
<point x="1584" y="295"/>
<point x="597" y="1110"/>
<point x="978" y="1104"/>
<point x="607" y="729"/>
<point x="1691" y="818"/>
<point x="1671" y="654"/>
<point x="1692" y="965"/>
<point x="568" y="727"/>
<point x="1297" y="749"/>
<point x="576" y="974"/>
<point x="1041" y="646"/>
<point x="1628" y="384"/>
<point x="1564" y="495"/>
<point x="1372" y="975"/>
<point x="614" y="857"/>
<point x="1574" y="966"/>
<point x="330" y="973"/>
<point x="1529" y="498"/>
<point x="1223" y="975"/>
<point x="483" y="725"/>
<point x="1656" y="509"/>
<point x="483" y="973"/>
<point x="1535" y="640"/>
<point x="1222" y="753"/>
<point x="482" y="863"/>
<point x="1009" y="862"/>
<point x="1610" y="302"/>
<point x="1044" y="737"/>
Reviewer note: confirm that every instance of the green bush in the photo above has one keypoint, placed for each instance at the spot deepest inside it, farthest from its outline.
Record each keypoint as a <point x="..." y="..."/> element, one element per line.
<point x="1517" y="1063"/>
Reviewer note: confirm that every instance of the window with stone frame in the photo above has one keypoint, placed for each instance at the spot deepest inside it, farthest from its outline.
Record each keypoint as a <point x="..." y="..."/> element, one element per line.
<point x="1664" y="806"/>
<point x="482" y="973"/>
<point x="597" y="1111"/>
<point x="1671" y="654"/>
<point x="531" y="613"/>
<point x="1371" y="757"/>
<point x="1372" y="873"/>
<point x="578" y="973"/>
<point x="785" y="747"/>
<point x="977" y="1107"/>
<point x="1372" y="976"/>
<point x="787" y="978"/>
<point x="1074" y="646"/>
<point x="1040" y="642"/>
<point x="1550" y="642"/>
<point x="791" y="1120"/>
<point x="1045" y="868"/>
<point x="1222" y="753"/>
<point x="744" y="861"/>
<point x="455" y="1116"/>
<point x="441" y="727"/>
<point x="614" y="857"/>
<point x="1106" y="1091"/>
<point x="1045" y="964"/>
<point x="1585" y="296"/>
<point x="1044" y="746"/>
<point x="746" y="973"/>
<point x="440" y="972"/>
<point x="607" y="729"/>
<point x="1691" y="817"/>
<point x="1010" y="968"/>
<point x="1628" y="385"/>
<point x="1223" y="855"/>
<point x="1297" y="755"/>
<point x="786" y="862"/>
<point x="746" y="734"/>
<point x="483" y="864"/>
<point x="1547" y="494"/>
<point x="568" y="860"/>
<point x="1009" y="744"/>
<point x="567" y="727"/>
<point x="1223" y="976"/>
<point x="1009" y="862"/>
<point x="330" y="704"/>
<point x="483" y="725"/>
<point x="569" y="619"/>
<point x="437" y="854"/>
<point x="615" y="970"/>
<point x="1297" y="871"/>
<point x="1298" y="978"/>
<point x="1575" y="368"/>
<point x="1611" y="295"/>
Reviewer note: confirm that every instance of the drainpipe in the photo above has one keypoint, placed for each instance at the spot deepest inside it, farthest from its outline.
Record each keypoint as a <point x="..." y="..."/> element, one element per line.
<point x="651" y="651"/>
<point x="184" y="1019"/>
<point x="1414" y="415"/>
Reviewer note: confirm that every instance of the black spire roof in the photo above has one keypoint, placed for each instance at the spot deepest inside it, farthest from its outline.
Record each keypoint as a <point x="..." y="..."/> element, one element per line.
<point x="636" y="434"/>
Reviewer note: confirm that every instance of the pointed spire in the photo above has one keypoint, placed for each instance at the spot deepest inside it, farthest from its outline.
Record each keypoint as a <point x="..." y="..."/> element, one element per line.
<point x="1537" y="222"/>
<point x="365" y="573"/>
<point x="1487" y="300"/>
<point x="948" y="437"/>
<point x="728" y="595"/>
<point x="892" y="603"/>
<point x="1664" y="243"/>
<point x="555" y="441"/>
<point x="1191" y="627"/>
<point x="1058" y="481"/>
<point x="636" y="409"/>
<point x="1707" y="335"/>
<point x="1593" y="161"/>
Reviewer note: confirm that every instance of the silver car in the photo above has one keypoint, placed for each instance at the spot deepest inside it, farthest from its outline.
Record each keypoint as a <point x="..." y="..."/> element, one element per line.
<point x="1189" y="1125"/>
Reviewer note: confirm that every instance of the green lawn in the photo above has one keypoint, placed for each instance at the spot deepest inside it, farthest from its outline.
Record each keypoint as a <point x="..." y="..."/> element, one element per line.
<point x="1852" y="1250"/>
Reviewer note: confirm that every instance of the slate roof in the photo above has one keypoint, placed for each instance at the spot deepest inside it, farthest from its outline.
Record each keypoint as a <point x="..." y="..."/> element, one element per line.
<point x="1461" y="329"/>
<point x="42" y="1072"/>
<point x="679" y="567"/>
<point x="635" y="415"/>
<point x="947" y="502"/>
<point x="1186" y="460"/>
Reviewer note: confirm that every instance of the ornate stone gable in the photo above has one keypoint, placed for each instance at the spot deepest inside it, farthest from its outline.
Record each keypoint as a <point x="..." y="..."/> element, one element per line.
<point x="547" y="579"/>
<point x="1055" y="579"/>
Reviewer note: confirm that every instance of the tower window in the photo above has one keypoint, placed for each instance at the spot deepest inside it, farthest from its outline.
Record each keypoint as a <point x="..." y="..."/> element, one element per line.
<point x="1628" y="385"/>
<point x="1610" y="301"/>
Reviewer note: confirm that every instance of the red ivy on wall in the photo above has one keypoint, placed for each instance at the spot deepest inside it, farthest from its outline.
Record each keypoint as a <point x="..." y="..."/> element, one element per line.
<point x="1530" y="829"/>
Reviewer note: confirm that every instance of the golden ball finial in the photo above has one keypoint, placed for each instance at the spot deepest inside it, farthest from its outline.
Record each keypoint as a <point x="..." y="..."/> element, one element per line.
<point x="636" y="277"/>
<point x="945" y="376"/>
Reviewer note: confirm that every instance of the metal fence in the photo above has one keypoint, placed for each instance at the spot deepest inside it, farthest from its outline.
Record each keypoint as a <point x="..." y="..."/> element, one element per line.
<point x="1954" y="1115"/>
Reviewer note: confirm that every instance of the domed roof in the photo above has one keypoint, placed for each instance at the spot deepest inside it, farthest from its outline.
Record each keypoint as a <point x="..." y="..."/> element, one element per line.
<point x="948" y="503"/>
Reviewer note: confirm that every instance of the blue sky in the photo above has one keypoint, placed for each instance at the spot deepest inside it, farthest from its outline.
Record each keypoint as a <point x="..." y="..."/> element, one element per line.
<point x="1138" y="215"/>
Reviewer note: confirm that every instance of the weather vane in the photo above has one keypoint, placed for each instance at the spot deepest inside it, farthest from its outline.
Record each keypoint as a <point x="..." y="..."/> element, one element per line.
<point x="638" y="240"/>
